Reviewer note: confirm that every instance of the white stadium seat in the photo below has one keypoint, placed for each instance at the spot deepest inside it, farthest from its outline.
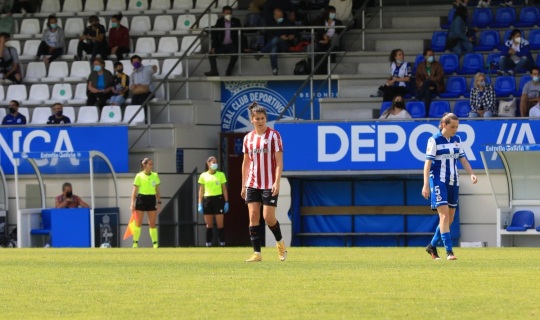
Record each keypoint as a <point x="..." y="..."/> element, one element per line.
<point x="58" y="70"/>
<point x="186" y="44"/>
<point x="41" y="115"/>
<point x="15" y="44"/>
<point x="88" y="114"/>
<point x="111" y="114"/>
<point x="208" y="20"/>
<point x="115" y="6"/>
<point x="167" y="47"/>
<point x="128" y="68"/>
<point x="130" y="111"/>
<point x="61" y="92"/>
<point x="109" y="65"/>
<point x="184" y="23"/>
<point x="25" y="112"/>
<point x="30" y="28"/>
<point x="74" y="27"/>
<point x="203" y="4"/>
<point x="135" y="6"/>
<point x="35" y="71"/>
<point x="80" y="70"/>
<point x="72" y="6"/>
<point x="145" y="46"/>
<point x="30" y="49"/>
<point x="167" y="66"/>
<point x="162" y="25"/>
<point x="39" y="93"/>
<point x="94" y="6"/>
<point x="140" y="25"/>
<point x="50" y="7"/>
<point x="182" y="5"/>
<point x="69" y="112"/>
<point x="3" y="113"/>
<point x="17" y="92"/>
<point x="159" y="6"/>
<point x="80" y="96"/>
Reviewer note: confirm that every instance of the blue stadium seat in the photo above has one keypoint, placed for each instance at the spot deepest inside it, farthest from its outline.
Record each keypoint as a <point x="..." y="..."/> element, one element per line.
<point x="451" y="15"/>
<point x="505" y="86"/>
<point x="472" y="63"/>
<point x="524" y="79"/>
<point x="385" y="105"/>
<point x="521" y="221"/>
<point x="450" y="62"/>
<point x="538" y="60"/>
<point x="438" y="41"/>
<point x="528" y="17"/>
<point x="455" y="87"/>
<point x="462" y="108"/>
<point x="482" y="17"/>
<point x="416" y="109"/>
<point x="488" y="40"/>
<point x="504" y="17"/>
<point x="471" y="85"/>
<point x="438" y="108"/>
<point x="492" y="58"/>
<point x="417" y="61"/>
<point x="534" y="39"/>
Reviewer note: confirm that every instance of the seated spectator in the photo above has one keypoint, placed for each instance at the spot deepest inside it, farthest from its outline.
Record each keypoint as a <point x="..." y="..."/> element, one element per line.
<point x="483" y="98"/>
<point x="121" y="86"/>
<point x="400" y="75"/>
<point x="530" y="96"/>
<point x="52" y="41"/>
<point x="58" y="116"/>
<point x="280" y="39"/>
<point x="516" y="56"/>
<point x="460" y="3"/>
<point x="100" y="84"/>
<point x="14" y="117"/>
<point x="397" y="110"/>
<point x="459" y="38"/>
<point x="118" y="38"/>
<point x="329" y="37"/>
<point x="25" y="6"/>
<point x="269" y="9"/>
<point x="506" y="3"/>
<point x="429" y="78"/>
<point x="343" y="8"/>
<point x="9" y="61"/>
<point x="141" y="86"/>
<point x="483" y="4"/>
<point x="93" y="40"/>
<point x="224" y="41"/>
<point x="68" y="200"/>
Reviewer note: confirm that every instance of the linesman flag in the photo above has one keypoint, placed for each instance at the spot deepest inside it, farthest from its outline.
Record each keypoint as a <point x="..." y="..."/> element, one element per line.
<point x="131" y="225"/>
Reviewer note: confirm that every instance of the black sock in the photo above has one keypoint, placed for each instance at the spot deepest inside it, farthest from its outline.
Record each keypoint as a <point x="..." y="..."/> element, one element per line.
<point x="254" y="236"/>
<point x="221" y="233"/>
<point x="209" y="235"/>
<point x="276" y="230"/>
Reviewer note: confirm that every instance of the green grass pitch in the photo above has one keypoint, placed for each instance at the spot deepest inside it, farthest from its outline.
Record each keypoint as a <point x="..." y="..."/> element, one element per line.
<point x="314" y="283"/>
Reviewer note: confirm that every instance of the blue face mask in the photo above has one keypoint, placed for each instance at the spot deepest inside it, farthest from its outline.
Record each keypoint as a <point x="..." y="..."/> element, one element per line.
<point x="430" y="59"/>
<point x="114" y="25"/>
<point x="332" y="16"/>
<point x="536" y="78"/>
<point x="279" y="20"/>
<point x="97" y="68"/>
<point x="54" y="26"/>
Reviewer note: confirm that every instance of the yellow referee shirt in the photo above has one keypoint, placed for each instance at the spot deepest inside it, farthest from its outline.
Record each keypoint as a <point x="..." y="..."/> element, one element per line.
<point x="212" y="183"/>
<point x="146" y="182"/>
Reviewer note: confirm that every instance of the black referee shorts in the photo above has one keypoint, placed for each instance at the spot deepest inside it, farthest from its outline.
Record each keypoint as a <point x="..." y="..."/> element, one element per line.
<point x="213" y="205"/>
<point x="261" y="195"/>
<point x="145" y="202"/>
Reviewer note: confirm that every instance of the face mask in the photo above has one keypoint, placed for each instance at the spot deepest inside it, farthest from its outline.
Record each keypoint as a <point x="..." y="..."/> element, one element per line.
<point x="69" y="194"/>
<point x="59" y="113"/>
<point x="228" y="17"/>
<point x="517" y="40"/>
<point x="430" y="59"/>
<point x="12" y="110"/>
<point x="214" y="166"/>
<point x="536" y="78"/>
<point x="332" y="16"/>
<point x="279" y="20"/>
<point x="54" y="25"/>
<point x="136" y="65"/>
<point x="97" y="68"/>
<point x="399" y="104"/>
<point x="119" y="71"/>
<point x="482" y="83"/>
<point x="114" y="25"/>
<point x="399" y="61"/>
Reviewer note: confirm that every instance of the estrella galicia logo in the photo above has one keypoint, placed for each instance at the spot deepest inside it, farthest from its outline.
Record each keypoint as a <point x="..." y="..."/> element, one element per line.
<point x="234" y="112"/>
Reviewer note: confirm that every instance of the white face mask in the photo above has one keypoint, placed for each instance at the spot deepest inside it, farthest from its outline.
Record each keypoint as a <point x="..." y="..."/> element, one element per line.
<point x="214" y="166"/>
<point x="517" y="40"/>
<point x="228" y="17"/>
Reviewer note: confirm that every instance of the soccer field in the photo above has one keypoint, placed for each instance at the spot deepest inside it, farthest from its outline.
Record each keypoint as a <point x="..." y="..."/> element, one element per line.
<point x="314" y="283"/>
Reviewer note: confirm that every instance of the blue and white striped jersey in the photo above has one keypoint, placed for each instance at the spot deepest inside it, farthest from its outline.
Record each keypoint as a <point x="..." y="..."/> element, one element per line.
<point x="444" y="154"/>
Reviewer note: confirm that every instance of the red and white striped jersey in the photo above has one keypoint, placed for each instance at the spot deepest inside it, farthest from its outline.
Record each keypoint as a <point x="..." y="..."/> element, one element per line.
<point x="261" y="150"/>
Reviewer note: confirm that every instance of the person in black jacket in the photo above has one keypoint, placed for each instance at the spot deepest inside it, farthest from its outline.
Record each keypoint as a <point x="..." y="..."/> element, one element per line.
<point x="224" y="41"/>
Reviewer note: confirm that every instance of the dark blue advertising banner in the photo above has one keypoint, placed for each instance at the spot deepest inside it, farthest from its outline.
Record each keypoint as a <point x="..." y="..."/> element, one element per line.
<point x="273" y="96"/>
<point x="377" y="145"/>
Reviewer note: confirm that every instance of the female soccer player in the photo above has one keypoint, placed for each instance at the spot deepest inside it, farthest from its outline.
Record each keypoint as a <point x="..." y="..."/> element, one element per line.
<point x="146" y="197"/>
<point x="213" y="186"/>
<point x="441" y="179"/>
<point x="261" y="175"/>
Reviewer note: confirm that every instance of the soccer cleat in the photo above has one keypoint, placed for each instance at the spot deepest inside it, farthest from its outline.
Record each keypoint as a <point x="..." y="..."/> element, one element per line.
<point x="155" y="245"/>
<point x="255" y="257"/>
<point x="450" y="255"/>
<point x="282" y="251"/>
<point x="135" y="244"/>
<point x="432" y="252"/>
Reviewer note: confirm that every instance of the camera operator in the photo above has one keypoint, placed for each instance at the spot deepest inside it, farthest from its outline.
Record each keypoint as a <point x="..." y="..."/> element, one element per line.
<point x="68" y="200"/>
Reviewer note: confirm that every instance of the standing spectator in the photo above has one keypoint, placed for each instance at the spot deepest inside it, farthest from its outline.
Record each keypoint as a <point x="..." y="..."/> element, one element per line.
<point x="118" y="38"/>
<point x="68" y="200"/>
<point x="100" y="84"/>
<point x="14" y="117"/>
<point x="9" y="61"/>
<point x="121" y="86"/>
<point x="224" y="41"/>
<point x="58" y="116"/>
<point x="213" y="200"/>
<point x="52" y="41"/>
<point x="280" y="39"/>
<point x="429" y="78"/>
<point x="459" y="38"/>
<point x="530" y="95"/>
<point x="483" y="99"/>
<point x="397" y="110"/>
<point x="516" y="55"/>
<point x="93" y="40"/>
<point x="400" y="75"/>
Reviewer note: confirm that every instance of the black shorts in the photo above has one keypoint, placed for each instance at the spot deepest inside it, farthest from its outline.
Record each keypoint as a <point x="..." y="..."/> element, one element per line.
<point x="145" y="202"/>
<point x="261" y="195"/>
<point x="213" y="205"/>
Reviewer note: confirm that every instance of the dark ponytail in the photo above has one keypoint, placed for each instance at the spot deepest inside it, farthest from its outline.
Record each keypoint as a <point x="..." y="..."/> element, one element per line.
<point x="256" y="108"/>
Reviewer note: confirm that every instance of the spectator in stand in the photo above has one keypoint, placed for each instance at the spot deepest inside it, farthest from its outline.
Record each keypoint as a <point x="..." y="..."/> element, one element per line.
<point x="25" y="6"/>
<point x="429" y="78"/>
<point x="400" y="76"/>
<point x="14" y="117"/>
<point x="460" y="3"/>
<point x="141" y="82"/>
<point x="397" y="110"/>
<point x="68" y="200"/>
<point x="483" y="98"/>
<point x="93" y="40"/>
<point x="483" y="4"/>
<point x="224" y="41"/>
<point x="343" y="8"/>
<point x="118" y="38"/>
<point x="459" y="39"/>
<point x="530" y="96"/>
<point x="52" y="41"/>
<point x="329" y="37"/>
<point x="534" y="112"/>
<point x="270" y="7"/>
<point x="100" y="85"/>
<point x="121" y="86"/>
<point x="516" y="56"/>
<point x="506" y="3"/>
<point x="280" y="39"/>
<point x="58" y="116"/>
<point x="9" y="61"/>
